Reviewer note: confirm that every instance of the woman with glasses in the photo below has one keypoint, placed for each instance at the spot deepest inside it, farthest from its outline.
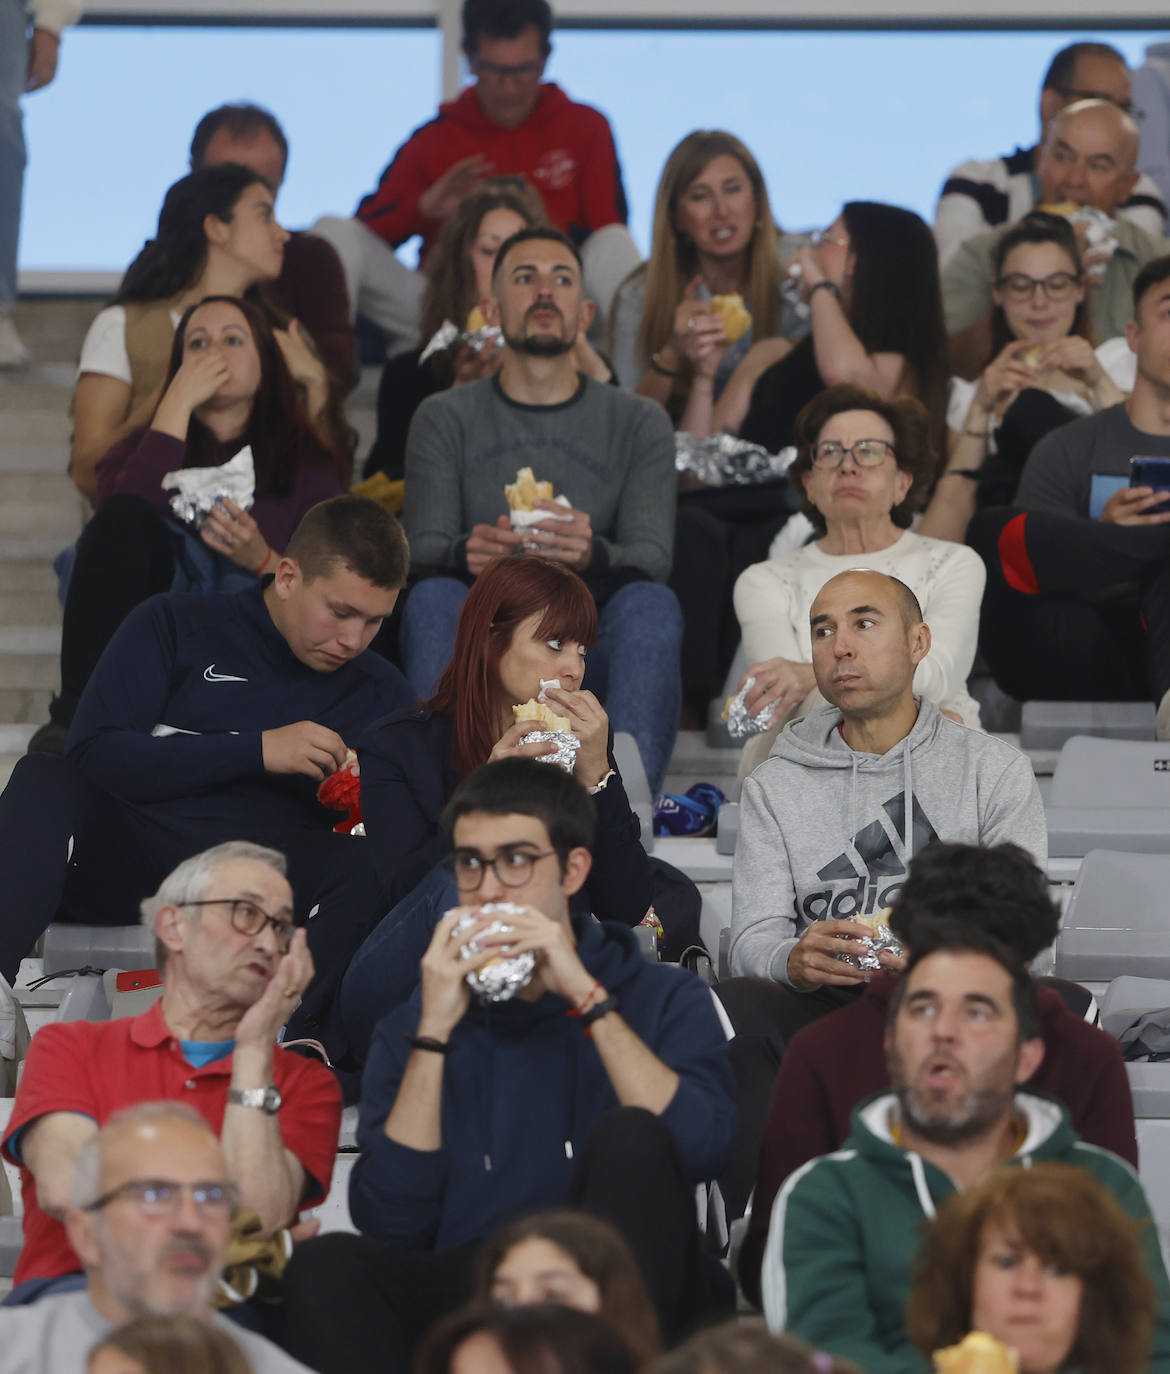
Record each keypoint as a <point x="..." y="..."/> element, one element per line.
<point x="872" y="288"/>
<point x="527" y="623"/>
<point x="1044" y="372"/>
<point x="863" y="468"/>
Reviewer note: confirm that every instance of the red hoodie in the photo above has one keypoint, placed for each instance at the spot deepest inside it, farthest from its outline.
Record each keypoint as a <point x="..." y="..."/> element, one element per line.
<point x="831" y="1065"/>
<point x="564" y="149"/>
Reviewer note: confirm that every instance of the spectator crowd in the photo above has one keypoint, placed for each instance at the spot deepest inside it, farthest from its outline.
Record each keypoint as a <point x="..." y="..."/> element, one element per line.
<point x="873" y="455"/>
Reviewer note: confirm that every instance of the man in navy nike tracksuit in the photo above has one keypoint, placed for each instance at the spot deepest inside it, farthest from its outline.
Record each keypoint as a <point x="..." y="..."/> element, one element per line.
<point x="212" y="718"/>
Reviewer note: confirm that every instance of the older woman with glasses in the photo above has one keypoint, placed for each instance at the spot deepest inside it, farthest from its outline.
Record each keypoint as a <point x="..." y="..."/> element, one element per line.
<point x="863" y="467"/>
<point x="1044" y="372"/>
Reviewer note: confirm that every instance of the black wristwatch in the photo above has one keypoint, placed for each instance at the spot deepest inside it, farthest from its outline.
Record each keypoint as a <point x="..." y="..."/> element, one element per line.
<point x="267" y="1099"/>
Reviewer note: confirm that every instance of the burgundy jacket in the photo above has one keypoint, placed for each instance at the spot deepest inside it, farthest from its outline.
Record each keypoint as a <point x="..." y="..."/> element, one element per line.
<point x="832" y="1064"/>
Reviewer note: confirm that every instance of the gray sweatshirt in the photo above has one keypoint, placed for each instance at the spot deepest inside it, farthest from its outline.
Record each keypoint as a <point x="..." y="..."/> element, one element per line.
<point x="606" y="451"/>
<point x="826" y="833"/>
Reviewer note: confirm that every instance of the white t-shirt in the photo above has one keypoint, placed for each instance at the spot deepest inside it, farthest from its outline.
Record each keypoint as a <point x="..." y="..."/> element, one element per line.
<point x="773" y="600"/>
<point x="104" y="349"/>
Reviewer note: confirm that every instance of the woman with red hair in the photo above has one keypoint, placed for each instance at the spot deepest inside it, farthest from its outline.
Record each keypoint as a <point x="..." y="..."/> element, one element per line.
<point x="525" y="622"/>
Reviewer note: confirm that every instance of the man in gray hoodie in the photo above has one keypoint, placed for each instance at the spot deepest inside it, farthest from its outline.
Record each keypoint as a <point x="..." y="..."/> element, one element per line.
<point x="849" y="794"/>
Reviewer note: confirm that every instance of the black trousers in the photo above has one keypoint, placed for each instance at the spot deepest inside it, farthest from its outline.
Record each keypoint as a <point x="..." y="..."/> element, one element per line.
<point x="124" y="556"/>
<point x="1074" y="609"/>
<point x="766" y="1016"/>
<point x="354" y="1304"/>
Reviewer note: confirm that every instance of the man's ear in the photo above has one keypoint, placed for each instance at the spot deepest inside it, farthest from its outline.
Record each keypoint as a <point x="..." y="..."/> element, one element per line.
<point x="1132" y="333"/>
<point x="491" y="310"/>
<point x="80" y="1228"/>
<point x="288" y="574"/>
<point x="577" y="867"/>
<point x="585" y="317"/>
<point x="170" y="928"/>
<point x="918" y="637"/>
<point x="1127" y="185"/>
<point x="1030" y="1058"/>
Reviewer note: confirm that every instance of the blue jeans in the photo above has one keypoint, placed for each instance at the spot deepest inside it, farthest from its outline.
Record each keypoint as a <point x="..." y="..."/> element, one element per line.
<point x="14" y="22"/>
<point x="633" y="668"/>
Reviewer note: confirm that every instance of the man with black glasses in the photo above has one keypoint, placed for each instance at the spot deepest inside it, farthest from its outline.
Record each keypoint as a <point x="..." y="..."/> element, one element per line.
<point x="149" y="1213"/>
<point x="233" y="967"/>
<point x="601" y="1082"/>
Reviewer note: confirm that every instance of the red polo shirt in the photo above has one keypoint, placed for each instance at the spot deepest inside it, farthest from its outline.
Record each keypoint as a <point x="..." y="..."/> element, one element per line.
<point x="96" y="1068"/>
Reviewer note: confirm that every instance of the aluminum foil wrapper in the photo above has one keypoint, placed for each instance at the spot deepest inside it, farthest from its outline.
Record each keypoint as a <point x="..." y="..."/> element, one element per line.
<point x="725" y="460"/>
<point x="882" y="939"/>
<point x="449" y="335"/>
<point x="502" y="979"/>
<point x="525" y="519"/>
<point x="739" y="724"/>
<point x="1100" y="233"/>
<point x="566" y="751"/>
<point x="198" y="489"/>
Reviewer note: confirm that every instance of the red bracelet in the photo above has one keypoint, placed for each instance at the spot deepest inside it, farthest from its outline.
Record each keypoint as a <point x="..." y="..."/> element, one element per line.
<point x="267" y="560"/>
<point x="579" y="1009"/>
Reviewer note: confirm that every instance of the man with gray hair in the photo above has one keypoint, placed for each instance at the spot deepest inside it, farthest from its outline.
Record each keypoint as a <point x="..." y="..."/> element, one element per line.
<point x="149" y="1214"/>
<point x="233" y="967"/>
<point x="1087" y="161"/>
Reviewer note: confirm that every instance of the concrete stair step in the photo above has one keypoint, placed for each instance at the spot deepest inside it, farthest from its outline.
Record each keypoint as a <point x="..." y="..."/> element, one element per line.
<point x="52" y="458"/>
<point x="42" y="547"/>
<point x="59" y="517"/>
<point x="36" y="389"/>
<point x="28" y="608"/>
<point x="39" y="486"/>
<point x="39" y="427"/>
<point x="26" y="705"/>
<point x="39" y="671"/>
<point x="53" y="330"/>
<point x="27" y="575"/>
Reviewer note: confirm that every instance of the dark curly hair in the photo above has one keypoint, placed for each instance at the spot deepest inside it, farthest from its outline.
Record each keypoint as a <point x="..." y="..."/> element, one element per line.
<point x="999" y="889"/>
<point x="913" y="450"/>
<point x="1067" y="1218"/>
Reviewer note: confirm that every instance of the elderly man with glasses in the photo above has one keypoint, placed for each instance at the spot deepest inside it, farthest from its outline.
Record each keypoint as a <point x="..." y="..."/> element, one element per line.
<point x="1087" y="162"/>
<point x="149" y="1212"/>
<point x="583" y="1075"/>
<point x="234" y="966"/>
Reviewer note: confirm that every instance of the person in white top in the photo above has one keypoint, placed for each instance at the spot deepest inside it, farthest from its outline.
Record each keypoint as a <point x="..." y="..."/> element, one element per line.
<point x="864" y="466"/>
<point x="1044" y="372"/>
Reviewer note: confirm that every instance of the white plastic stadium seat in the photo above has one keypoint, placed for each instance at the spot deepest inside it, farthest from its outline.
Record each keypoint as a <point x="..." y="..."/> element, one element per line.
<point x="717" y="736"/>
<point x="1109" y="794"/>
<point x="102" y="947"/>
<point x="1047" y="724"/>
<point x="628" y="758"/>
<point x="1118" y="921"/>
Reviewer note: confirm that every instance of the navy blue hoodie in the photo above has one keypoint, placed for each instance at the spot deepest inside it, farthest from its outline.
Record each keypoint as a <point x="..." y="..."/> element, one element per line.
<point x="521" y="1089"/>
<point x="172" y="717"/>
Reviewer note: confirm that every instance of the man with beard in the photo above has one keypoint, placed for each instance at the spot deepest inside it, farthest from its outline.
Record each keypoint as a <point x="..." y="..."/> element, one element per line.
<point x="609" y="458"/>
<point x="149" y="1213"/>
<point x="963" y="1034"/>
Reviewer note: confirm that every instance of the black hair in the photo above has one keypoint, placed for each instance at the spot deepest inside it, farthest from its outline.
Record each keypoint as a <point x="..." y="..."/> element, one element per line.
<point x="998" y="890"/>
<point x="527" y="787"/>
<point x="172" y="260"/>
<point x="896" y="301"/>
<point x="504" y="19"/>
<point x="543" y="1339"/>
<point x="535" y="232"/>
<point x="241" y="120"/>
<point x="1154" y="273"/>
<point x="1061" y="69"/>
<point x="354" y="531"/>
<point x="959" y="937"/>
<point x="1037" y="227"/>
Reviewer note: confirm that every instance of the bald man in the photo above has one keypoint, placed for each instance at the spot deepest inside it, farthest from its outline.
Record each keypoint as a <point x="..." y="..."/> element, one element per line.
<point x="1088" y="158"/>
<point x="850" y="793"/>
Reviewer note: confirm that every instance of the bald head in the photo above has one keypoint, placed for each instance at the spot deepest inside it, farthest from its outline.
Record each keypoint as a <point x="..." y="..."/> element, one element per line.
<point x="1089" y="156"/>
<point x="877" y="589"/>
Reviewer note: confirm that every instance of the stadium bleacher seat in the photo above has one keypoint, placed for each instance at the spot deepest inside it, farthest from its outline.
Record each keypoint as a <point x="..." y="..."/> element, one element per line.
<point x="1118" y="921"/>
<point x="1047" y="724"/>
<point x="717" y="736"/>
<point x="100" y="947"/>
<point x="1109" y="794"/>
<point x="628" y="758"/>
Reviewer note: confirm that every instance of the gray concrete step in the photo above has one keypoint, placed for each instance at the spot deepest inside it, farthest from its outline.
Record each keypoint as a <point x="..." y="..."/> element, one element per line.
<point x="40" y="671"/>
<point x="26" y="705"/>
<point x="19" y="608"/>
<point x="53" y="330"/>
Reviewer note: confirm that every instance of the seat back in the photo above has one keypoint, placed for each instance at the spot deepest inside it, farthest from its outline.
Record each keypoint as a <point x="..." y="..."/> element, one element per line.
<point x="1047" y="724"/>
<point x="628" y="758"/>
<point x="1118" y="921"/>
<point x="1112" y="772"/>
<point x="100" y="947"/>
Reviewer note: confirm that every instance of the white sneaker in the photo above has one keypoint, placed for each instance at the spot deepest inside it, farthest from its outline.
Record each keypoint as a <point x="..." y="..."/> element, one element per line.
<point x="12" y="350"/>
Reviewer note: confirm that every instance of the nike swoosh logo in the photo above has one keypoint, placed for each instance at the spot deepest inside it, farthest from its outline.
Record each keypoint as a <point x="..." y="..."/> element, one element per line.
<point x="210" y="675"/>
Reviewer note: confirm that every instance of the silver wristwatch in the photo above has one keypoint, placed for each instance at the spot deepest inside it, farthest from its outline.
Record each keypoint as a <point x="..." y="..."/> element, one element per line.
<point x="267" y="1099"/>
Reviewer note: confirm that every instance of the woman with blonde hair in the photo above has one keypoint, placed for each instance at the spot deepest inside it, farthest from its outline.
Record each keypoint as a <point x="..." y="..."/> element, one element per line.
<point x="1046" y="1261"/>
<point x="713" y="235"/>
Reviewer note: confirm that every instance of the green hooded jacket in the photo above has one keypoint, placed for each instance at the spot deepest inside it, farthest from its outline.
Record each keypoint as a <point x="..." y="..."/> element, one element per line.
<point x="845" y="1229"/>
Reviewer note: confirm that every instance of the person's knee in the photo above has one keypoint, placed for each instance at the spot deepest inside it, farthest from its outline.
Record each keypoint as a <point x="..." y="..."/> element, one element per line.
<point x="434" y="598"/>
<point x="645" y="608"/>
<point x="334" y="1262"/>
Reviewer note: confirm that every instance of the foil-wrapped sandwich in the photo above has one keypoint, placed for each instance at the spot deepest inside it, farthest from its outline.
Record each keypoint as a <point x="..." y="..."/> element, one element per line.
<point x="881" y="938"/>
<point x="725" y="460"/>
<point x="522" y="495"/>
<point x="734" y="314"/>
<point x="500" y="979"/>
<point x="549" y="728"/>
<point x="198" y="489"/>
<point x="739" y="724"/>
<point x="449" y="336"/>
<point x="1100" y="231"/>
<point x="976" y="1353"/>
